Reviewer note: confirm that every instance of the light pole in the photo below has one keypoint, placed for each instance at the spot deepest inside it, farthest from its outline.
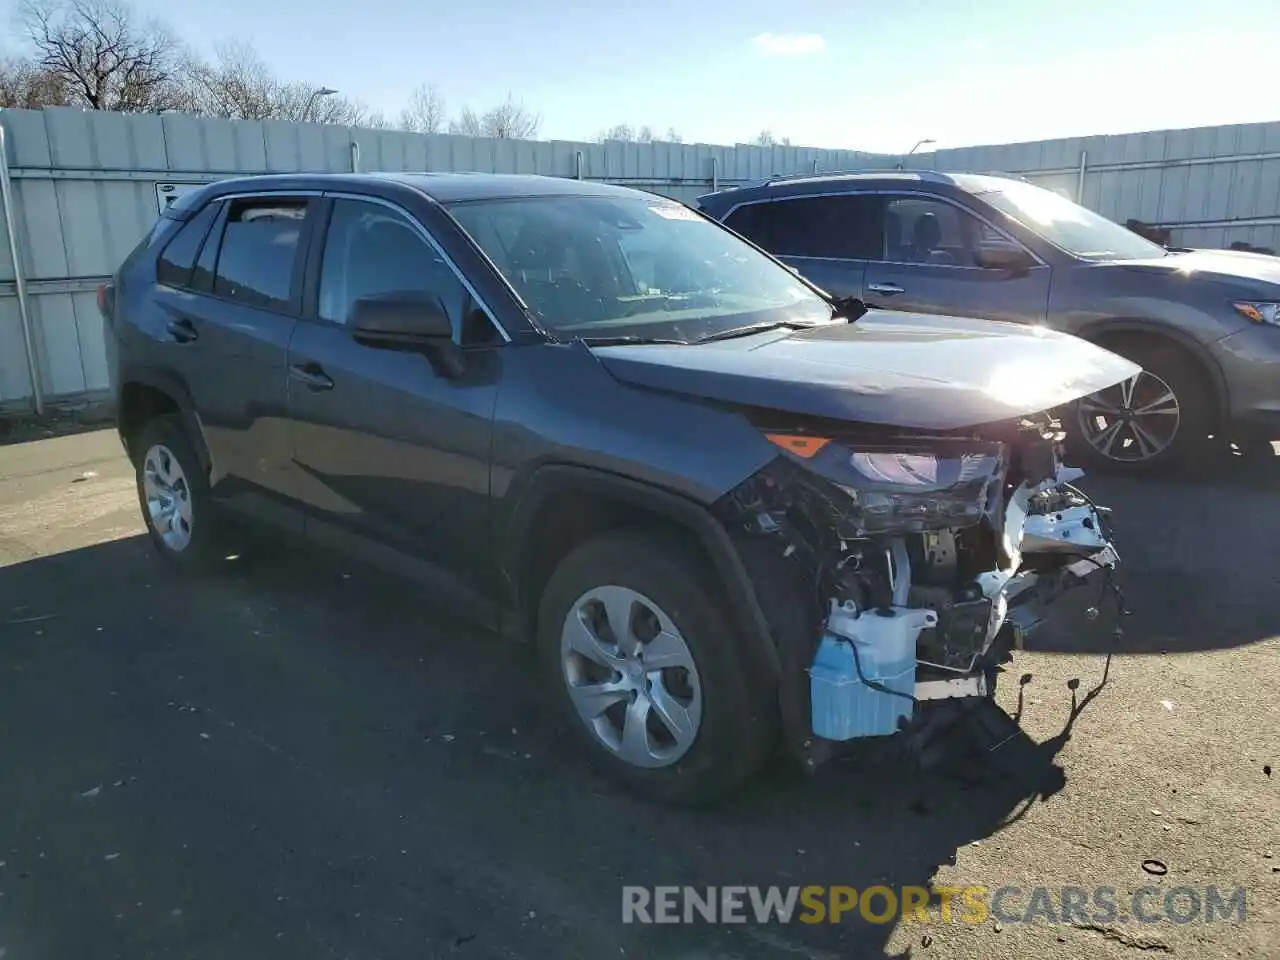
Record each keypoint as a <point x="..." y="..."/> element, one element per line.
<point x="311" y="101"/>
<point x="919" y="144"/>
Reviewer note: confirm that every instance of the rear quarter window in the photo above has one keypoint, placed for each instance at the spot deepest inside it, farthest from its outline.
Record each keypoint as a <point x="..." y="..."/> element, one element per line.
<point x="178" y="258"/>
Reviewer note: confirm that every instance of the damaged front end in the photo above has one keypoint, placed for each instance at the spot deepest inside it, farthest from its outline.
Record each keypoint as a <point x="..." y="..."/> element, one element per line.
<point x="899" y="567"/>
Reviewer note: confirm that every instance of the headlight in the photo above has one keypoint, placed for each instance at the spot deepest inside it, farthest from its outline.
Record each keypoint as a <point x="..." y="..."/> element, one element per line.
<point x="897" y="490"/>
<point x="1259" y="312"/>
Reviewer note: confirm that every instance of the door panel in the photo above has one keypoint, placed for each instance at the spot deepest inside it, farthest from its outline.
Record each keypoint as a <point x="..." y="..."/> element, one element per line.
<point x="840" y="278"/>
<point x="232" y="316"/>
<point x="392" y="457"/>
<point x="929" y="265"/>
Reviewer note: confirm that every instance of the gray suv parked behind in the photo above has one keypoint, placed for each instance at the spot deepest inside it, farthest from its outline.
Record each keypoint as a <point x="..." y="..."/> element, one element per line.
<point x="1204" y="325"/>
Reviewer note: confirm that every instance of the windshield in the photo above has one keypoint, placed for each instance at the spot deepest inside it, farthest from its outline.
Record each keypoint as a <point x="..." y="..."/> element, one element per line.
<point x="1068" y="225"/>
<point x="648" y="267"/>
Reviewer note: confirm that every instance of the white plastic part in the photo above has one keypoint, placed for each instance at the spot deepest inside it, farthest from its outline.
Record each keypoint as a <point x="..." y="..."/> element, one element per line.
<point x="885" y="636"/>
<point x="1074" y="530"/>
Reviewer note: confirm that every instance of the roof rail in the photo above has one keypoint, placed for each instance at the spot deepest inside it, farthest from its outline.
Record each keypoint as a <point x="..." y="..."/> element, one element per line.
<point x="860" y="171"/>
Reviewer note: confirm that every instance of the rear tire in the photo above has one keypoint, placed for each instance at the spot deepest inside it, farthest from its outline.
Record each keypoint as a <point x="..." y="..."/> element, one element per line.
<point x="1165" y="422"/>
<point x="173" y="491"/>
<point x="669" y="610"/>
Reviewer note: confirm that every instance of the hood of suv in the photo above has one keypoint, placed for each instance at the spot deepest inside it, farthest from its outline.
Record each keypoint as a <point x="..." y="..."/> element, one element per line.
<point x="1212" y="264"/>
<point x="905" y="370"/>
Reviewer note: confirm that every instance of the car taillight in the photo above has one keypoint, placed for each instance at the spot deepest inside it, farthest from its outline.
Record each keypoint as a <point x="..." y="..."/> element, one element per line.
<point x="106" y="299"/>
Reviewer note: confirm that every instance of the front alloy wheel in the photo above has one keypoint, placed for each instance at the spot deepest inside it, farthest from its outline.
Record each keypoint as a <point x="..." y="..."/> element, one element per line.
<point x="1133" y="421"/>
<point x="647" y="666"/>
<point x="631" y="676"/>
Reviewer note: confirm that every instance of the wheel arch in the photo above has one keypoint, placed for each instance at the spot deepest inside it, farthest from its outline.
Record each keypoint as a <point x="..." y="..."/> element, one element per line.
<point x="562" y="506"/>
<point x="1117" y="330"/>
<point x="144" y="394"/>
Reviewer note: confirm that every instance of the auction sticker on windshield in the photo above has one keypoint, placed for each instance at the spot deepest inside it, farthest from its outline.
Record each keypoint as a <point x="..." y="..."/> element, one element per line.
<point x="671" y="211"/>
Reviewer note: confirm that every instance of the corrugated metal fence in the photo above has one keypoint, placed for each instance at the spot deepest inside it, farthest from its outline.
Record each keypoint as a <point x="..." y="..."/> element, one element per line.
<point x="87" y="185"/>
<point x="1212" y="185"/>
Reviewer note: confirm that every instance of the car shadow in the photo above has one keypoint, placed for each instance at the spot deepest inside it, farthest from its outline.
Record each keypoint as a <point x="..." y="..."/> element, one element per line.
<point x="1197" y="548"/>
<point x="359" y="707"/>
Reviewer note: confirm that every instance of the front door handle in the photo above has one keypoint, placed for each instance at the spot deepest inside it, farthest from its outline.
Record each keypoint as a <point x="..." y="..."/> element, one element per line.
<point x="182" y="330"/>
<point x="888" y="289"/>
<point x="312" y="376"/>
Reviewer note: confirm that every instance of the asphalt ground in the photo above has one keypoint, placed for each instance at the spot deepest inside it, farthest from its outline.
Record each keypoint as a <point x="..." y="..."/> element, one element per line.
<point x="299" y="757"/>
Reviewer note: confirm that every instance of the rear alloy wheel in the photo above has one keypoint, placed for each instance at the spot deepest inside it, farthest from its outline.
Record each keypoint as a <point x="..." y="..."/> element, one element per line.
<point x="1155" y="419"/>
<point x="173" y="491"/>
<point x="647" y="669"/>
<point x="167" y="496"/>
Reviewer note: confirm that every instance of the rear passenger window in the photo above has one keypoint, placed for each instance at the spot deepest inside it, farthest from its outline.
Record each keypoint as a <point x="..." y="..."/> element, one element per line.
<point x="259" y="252"/>
<point x="173" y="269"/>
<point x="841" y="227"/>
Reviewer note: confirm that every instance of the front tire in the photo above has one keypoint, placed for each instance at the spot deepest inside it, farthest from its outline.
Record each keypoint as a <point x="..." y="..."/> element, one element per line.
<point x="1157" y="420"/>
<point x="173" y="491"/>
<point x="641" y="658"/>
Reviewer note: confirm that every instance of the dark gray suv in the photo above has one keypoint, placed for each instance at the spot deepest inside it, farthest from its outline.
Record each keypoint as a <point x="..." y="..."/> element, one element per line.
<point x="723" y="505"/>
<point x="1204" y="325"/>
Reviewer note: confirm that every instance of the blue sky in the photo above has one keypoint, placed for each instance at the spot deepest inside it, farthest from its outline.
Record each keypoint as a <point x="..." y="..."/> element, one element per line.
<point x="836" y="73"/>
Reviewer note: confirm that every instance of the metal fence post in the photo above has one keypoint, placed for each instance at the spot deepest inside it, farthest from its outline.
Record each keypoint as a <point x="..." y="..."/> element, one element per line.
<point x="20" y="286"/>
<point x="1084" y="157"/>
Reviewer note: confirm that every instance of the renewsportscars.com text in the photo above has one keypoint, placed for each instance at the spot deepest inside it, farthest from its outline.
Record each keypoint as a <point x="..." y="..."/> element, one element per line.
<point x="959" y="904"/>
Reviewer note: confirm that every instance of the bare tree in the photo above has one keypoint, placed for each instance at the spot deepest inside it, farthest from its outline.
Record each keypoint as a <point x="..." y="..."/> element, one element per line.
<point x="26" y="85"/>
<point x="104" y="55"/>
<point x="425" y="112"/>
<point x="468" y="123"/>
<point x="629" y="134"/>
<point x="765" y="138"/>
<point x="509" y="120"/>
<point x="238" y="85"/>
<point x="619" y="131"/>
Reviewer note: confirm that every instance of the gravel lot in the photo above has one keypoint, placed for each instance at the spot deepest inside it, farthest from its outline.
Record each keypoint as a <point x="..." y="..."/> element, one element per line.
<point x="298" y="757"/>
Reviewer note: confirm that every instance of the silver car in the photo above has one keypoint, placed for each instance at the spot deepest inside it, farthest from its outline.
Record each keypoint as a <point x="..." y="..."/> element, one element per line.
<point x="1203" y="324"/>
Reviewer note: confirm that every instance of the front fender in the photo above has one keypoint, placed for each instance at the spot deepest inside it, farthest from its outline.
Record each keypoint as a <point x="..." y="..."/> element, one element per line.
<point x="515" y="542"/>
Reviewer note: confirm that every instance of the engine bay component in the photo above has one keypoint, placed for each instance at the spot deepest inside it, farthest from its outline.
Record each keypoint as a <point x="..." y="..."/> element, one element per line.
<point x="863" y="676"/>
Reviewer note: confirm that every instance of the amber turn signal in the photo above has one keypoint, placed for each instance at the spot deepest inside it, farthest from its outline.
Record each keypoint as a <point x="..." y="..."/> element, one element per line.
<point x="802" y="446"/>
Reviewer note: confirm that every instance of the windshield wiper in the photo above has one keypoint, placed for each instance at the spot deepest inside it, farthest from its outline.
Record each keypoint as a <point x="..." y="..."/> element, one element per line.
<point x="620" y="341"/>
<point x="753" y="328"/>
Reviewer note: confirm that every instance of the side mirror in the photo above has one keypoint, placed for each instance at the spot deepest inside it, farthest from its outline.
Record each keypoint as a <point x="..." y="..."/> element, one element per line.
<point x="1003" y="255"/>
<point x="409" y="318"/>
<point x="407" y="321"/>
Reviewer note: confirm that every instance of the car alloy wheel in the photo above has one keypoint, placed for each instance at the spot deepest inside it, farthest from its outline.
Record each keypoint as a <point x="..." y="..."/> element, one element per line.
<point x="1133" y="421"/>
<point x="631" y="676"/>
<point x="168" y="497"/>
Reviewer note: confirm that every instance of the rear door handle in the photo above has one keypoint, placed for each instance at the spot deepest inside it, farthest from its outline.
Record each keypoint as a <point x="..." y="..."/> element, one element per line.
<point x="888" y="289"/>
<point x="311" y="375"/>
<point x="182" y="330"/>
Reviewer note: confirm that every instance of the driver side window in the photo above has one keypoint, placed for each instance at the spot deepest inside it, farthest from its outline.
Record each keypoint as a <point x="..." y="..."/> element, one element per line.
<point x="921" y="230"/>
<point x="371" y="249"/>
